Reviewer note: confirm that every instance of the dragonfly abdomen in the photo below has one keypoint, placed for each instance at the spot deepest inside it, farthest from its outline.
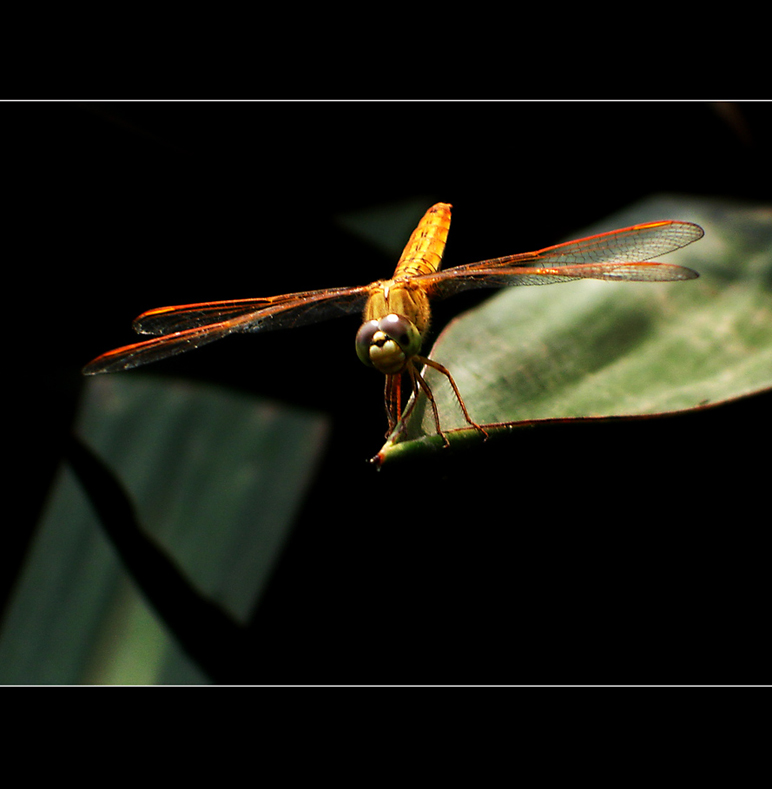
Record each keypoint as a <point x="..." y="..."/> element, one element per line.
<point x="423" y="252"/>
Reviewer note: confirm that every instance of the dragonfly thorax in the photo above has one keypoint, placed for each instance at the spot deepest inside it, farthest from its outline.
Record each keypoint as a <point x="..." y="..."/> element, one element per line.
<point x="388" y="344"/>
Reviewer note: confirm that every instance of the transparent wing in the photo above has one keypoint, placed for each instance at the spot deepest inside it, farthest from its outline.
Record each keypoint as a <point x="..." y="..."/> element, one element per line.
<point x="189" y="326"/>
<point x="617" y="255"/>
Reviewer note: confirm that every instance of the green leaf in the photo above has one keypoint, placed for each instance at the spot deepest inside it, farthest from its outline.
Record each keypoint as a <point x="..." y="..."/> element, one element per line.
<point x="215" y="478"/>
<point x="598" y="349"/>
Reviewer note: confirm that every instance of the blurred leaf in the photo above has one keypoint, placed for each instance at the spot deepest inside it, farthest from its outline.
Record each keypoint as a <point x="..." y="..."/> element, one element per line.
<point x="598" y="349"/>
<point x="215" y="478"/>
<point x="204" y="630"/>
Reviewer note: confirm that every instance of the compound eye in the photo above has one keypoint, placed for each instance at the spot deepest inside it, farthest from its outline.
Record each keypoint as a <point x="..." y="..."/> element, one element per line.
<point x="364" y="341"/>
<point x="403" y="332"/>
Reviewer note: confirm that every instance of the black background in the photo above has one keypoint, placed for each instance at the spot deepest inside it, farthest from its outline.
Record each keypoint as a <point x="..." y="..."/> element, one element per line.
<point x="633" y="552"/>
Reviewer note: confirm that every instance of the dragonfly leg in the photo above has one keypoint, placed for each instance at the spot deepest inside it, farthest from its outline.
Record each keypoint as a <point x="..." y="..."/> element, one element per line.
<point x="444" y="370"/>
<point x="392" y="396"/>
<point x="418" y="380"/>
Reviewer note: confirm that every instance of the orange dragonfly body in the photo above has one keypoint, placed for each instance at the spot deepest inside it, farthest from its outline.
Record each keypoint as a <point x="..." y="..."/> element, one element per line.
<point x="396" y="311"/>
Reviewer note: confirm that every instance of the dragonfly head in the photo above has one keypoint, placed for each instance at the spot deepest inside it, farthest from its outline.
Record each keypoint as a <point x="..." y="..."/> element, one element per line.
<point x="388" y="344"/>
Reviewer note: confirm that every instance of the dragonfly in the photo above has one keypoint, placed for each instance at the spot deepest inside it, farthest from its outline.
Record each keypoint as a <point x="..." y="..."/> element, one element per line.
<point x="396" y="312"/>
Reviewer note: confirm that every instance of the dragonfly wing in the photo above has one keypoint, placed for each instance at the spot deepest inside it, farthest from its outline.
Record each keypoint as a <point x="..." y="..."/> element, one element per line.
<point x="510" y="277"/>
<point x="158" y="348"/>
<point x="620" y="255"/>
<point x="628" y="245"/>
<point x="192" y="325"/>
<point x="275" y="312"/>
